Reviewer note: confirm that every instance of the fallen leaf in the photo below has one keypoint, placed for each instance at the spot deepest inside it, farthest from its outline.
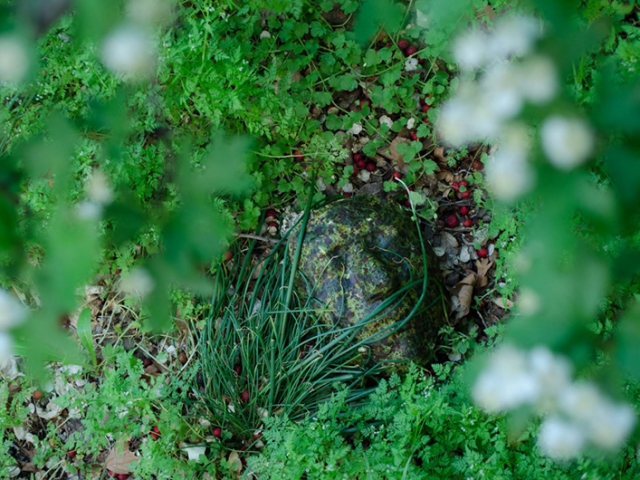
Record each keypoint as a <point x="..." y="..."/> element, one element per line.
<point x="461" y="296"/>
<point x="235" y="464"/>
<point x="120" y="457"/>
<point x="391" y="152"/>
<point x="504" y="303"/>
<point x="483" y="267"/>
<point x="373" y="188"/>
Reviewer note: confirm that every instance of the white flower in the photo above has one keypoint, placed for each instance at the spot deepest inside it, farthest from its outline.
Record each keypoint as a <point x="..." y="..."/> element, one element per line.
<point x="12" y="312"/>
<point x="6" y="351"/>
<point x="411" y="64"/>
<point x="137" y="282"/>
<point x="501" y="89"/>
<point x="606" y="423"/>
<point x="151" y="12"/>
<point x="538" y="79"/>
<point x="506" y="382"/>
<point x="553" y="374"/>
<point x="513" y="35"/>
<point x="528" y="301"/>
<point x="559" y="439"/>
<point x="265" y="34"/>
<point x="384" y="120"/>
<point x="129" y="51"/>
<point x="97" y="188"/>
<point x="14" y="59"/>
<point x="567" y="142"/>
<point x="470" y="49"/>
<point x="610" y="424"/>
<point x="411" y="123"/>
<point x="88" y="210"/>
<point x="508" y="173"/>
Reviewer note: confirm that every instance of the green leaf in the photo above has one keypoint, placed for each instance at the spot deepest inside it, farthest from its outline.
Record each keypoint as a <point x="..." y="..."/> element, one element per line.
<point x="85" y="335"/>
<point x="374" y="14"/>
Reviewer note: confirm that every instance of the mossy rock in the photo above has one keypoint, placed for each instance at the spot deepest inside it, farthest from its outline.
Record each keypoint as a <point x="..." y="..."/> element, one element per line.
<point x="356" y="253"/>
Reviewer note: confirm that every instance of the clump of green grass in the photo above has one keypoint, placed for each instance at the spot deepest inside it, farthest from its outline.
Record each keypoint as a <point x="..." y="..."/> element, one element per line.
<point x="268" y="349"/>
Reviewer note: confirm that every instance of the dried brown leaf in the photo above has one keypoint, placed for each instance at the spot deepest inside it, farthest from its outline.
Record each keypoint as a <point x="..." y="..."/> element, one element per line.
<point x="461" y="296"/>
<point x="483" y="267"/>
<point x="391" y="152"/>
<point x="120" y="457"/>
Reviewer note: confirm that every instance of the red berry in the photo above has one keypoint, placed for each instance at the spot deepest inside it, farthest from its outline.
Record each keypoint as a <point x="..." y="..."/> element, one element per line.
<point x="468" y="223"/>
<point x="271" y="213"/>
<point x="414" y="136"/>
<point x="217" y="432"/>
<point x="37" y="395"/>
<point x="112" y="474"/>
<point x="410" y="50"/>
<point x="365" y="102"/>
<point x="426" y="108"/>
<point x="355" y="170"/>
<point x="155" y="433"/>
<point x="421" y="61"/>
<point x="483" y="252"/>
<point x="396" y="176"/>
<point x="244" y="396"/>
<point x="123" y="476"/>
<point x="465" y="194"/>
<point x="452" y="221"/>
<point x="347" y="194"/>
<point x="371" y="166"/>
<point x="357" y="157"/>
<point x="71" y="453"/>
<point x="147" y="362"/>
<point x="477" y="165"/>
<point x="464" y="210"/>
<point x="228" y="255"/>
<point x="298" y="155"/>
<point x="118" y="271"/>
<point x="464" y="183"/>
<point x="407" y="203"/>
<point x="361" y="164"/>
<point x="455" y="186"/>
<point x="403" y="44"/>
<point x="237" y="369"/>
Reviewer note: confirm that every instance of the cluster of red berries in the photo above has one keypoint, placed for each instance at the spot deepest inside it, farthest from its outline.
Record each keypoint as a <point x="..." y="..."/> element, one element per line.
<point x="361" y="163"/>
<point x="408" y="49"/>
<point x="119" y="476"/>
<point x="462" y="189"/>
<point x="424" y="106"/>
<point x="271" y="219"/>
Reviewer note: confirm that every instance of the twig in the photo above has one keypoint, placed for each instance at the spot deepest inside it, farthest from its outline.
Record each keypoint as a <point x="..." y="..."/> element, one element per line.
<point x="256" y="237"/>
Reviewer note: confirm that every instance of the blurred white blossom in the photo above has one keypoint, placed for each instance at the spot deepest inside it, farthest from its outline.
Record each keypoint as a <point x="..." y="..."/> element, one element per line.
<point x="508" y="172"/>
<point x="6" y="351"/>
<point x="355" y="129"/>
<point x="559" y="439"/>
<point x="567" y="142"/>
<point x="98" y="189"/>
<point x="411" y="64"/>
<point x="129" y="51"/>
<point x="514" y="35"/>
<point x="137" y="282"/>
<point x="501" y="87"/>
<point x="14" y="59"/>
<point x="150" y="12"/>
<point x="506" y="382"/>
<point x="538" y="81"/>
<point x="470" y="49"/>
<point x="577" y="413"/>
<point x="12" y="312"/>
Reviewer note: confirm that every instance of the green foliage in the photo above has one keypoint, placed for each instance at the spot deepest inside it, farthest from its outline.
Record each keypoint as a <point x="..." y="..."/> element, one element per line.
<point x="415" y="428"/>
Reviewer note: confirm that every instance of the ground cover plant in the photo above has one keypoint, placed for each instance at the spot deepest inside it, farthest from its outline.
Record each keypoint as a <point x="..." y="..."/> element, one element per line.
<point x="141" y="140"/>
